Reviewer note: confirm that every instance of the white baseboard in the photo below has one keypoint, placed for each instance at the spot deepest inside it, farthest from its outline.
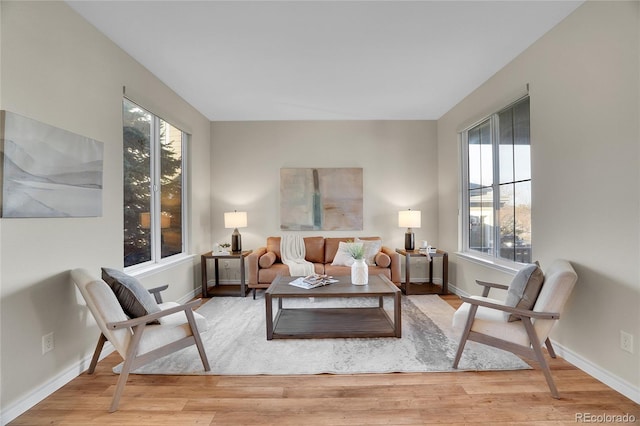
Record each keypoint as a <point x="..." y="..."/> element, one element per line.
<point x="455" y="290"/>
<point x="40" y="393"/>
<point x="189" y="297"/>
<point x="614" y="382"/>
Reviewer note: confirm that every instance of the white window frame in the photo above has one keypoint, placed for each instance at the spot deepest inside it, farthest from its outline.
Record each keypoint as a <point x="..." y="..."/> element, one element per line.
<point x="157" y="262"/>
<point x="492" y="260"/>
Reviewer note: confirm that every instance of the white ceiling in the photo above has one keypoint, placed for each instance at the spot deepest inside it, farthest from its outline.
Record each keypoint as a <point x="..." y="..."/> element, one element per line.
<point x="323" y="60"/>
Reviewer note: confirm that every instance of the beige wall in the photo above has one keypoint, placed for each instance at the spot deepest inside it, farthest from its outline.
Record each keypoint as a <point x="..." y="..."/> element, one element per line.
<point x="399" y="161"/>
<point x="58" y="69"/>
<point x="584" y="87"/>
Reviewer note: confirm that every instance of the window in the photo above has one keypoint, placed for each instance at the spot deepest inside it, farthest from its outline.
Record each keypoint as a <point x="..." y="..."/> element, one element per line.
<point x="497" y="185"/>
<point x="153" y="187"/>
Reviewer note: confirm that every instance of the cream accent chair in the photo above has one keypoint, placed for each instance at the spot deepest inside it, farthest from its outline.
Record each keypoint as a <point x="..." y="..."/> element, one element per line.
<point x="483" y="319"/>
<point x="136" y="341"/>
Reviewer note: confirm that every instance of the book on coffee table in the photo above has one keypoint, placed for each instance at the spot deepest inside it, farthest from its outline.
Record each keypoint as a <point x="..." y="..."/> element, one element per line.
<point x="313" y="281"/>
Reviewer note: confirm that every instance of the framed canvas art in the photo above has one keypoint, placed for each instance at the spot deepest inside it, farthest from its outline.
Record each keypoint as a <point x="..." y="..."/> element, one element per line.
<point x="327" y="199"/>
<point x="47" y="171"/>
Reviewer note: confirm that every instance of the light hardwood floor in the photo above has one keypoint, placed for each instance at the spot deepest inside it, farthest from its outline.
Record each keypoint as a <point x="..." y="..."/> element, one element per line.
<point x="508" y="397"/>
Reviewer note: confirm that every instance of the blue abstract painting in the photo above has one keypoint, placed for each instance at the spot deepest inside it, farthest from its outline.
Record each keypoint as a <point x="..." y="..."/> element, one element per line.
<point x="327" y="199"/>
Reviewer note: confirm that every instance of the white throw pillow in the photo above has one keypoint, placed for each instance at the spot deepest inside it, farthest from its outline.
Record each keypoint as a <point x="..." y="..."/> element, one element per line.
<point x="371" y="248"/>
<point x="343" y="257"/>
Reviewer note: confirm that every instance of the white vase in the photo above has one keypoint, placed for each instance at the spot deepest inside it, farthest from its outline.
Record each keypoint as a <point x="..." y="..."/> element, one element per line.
<point x="360" y="272"/>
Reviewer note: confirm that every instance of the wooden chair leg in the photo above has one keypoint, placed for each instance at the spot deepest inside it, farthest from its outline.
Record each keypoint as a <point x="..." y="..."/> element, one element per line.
<point x="198" y="340"/>
<point x="465" y="334"/>
<point x="122" y="381"/>
<point x="547" y="343"/>
<point x="126" y="366"/>
<point x="537" y="349"/>
<point x="96" y="354"/>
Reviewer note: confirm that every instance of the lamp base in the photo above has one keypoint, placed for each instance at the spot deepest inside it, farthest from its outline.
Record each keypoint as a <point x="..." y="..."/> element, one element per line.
<point x="236" y="241"/>
<point x="409" y="240"/>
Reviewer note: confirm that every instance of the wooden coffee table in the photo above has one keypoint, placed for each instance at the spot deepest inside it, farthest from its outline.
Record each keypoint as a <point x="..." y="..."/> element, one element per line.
<point x="319" y="323"/>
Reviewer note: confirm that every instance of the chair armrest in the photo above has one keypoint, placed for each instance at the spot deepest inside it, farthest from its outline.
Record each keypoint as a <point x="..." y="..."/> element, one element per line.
<point x="156" y="292"/>
<point x="488" y="286"/>
<point x="152" y="317"/>
<point x="252" y="264"/>
<point x="516" y="311"/>
<point x="492" y="285"/>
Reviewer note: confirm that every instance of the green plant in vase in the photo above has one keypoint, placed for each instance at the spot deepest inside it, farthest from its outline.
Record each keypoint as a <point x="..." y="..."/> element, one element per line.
<point x="356" y="251"/>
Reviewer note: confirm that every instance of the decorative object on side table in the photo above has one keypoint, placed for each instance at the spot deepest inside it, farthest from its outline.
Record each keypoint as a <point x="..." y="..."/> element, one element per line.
<point x="221" y="248"/>
<point x="359" y="269"/>
<point x="235" y="219"/>
<point x="409" y="219"/>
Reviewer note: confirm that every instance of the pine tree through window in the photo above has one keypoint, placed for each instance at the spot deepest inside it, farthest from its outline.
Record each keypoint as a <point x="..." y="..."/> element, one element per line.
<point x="153" y="187"/>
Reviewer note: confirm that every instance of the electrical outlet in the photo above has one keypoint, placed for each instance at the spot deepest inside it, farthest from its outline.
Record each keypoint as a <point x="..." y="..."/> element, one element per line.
<point x="47" y="343"/>
<point x="626" y="341"/>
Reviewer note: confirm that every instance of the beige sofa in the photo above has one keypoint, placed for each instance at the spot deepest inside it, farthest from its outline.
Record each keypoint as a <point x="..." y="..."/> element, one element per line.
<point x="265" y="263"/>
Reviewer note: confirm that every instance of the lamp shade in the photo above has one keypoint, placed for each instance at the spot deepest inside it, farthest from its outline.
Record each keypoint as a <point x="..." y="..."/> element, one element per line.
<point x="235" y="219"/>
<point x="409" y="218"/>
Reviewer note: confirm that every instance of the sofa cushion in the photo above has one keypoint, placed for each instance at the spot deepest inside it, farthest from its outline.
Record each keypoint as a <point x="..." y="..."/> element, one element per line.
<point x="267" y="275"/>
<point x="383" y="260"/>
<point x="371" y="248"/>
<point x="343" y="256"/>
<point x="314" y="249"/>
<point x="337" y="270"/>
<point x="136" y="301"/>
<point x="267" y="259"/>
<point x="524" y="289"/>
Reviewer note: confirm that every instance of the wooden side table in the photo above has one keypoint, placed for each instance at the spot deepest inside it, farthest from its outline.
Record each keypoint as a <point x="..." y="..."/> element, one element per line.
<point x="407" y="287"/>
<point x="223" y="290"/>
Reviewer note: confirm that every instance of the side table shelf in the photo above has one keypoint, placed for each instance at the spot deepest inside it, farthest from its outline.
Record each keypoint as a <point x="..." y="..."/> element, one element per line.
<point x="426" y="288"/>
<point x="223" y="290"/>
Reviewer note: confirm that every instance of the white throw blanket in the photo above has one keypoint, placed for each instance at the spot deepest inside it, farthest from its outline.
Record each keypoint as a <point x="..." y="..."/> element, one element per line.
<point x="292" y="252"/>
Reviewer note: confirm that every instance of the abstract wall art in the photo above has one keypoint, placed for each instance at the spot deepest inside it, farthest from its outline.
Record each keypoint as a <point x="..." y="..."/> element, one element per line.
<point x="327" y="199"/>
<point x="47" y="171"/>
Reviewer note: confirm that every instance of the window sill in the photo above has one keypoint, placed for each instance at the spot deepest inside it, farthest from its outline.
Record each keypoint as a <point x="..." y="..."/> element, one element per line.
<point x="498" y="264"/>
<point x="142" y="271"/>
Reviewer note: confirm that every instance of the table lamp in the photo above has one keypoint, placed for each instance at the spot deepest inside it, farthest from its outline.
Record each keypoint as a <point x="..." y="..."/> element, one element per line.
<point x="235" y="220"/>
<point x="409" y="219"/>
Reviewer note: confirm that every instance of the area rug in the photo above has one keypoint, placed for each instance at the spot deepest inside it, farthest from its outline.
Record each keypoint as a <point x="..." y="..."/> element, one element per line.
<point x="236" y="343"/>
